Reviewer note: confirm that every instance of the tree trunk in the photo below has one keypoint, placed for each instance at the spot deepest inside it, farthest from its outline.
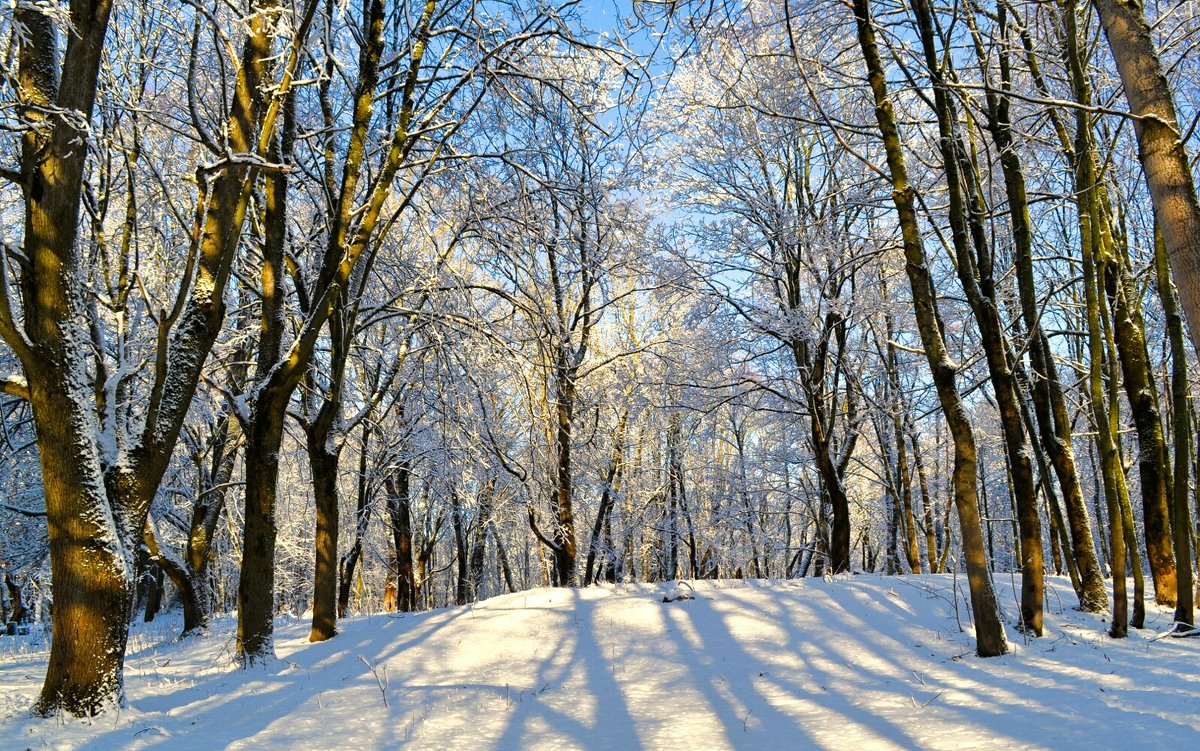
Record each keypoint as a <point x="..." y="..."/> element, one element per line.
<point x="66" y="385"/>
<point x="206" y="514"/>
<point x="1154" y="472"/>
<point x="1181" y="518"/>
<point x="612" y="478"/>
<point x="90" y="554"/>
<point x="903" y="474"/>
<point x="990" y="638"/>
<point x="1111" y="471"/>
<point x="1161" y="150"/>
<point x="349" y="562"/>
<point x="399" y="506"/>
<point x="19" y="613"/>
<point x="813" y="368"/>
<point x="483" y="523"/>
<point x="323" y="459"/>
<point x="927" y="510"/>
<point x="256" y="585"/>
<point x="1081" y="155"/>
<point x="323" y="438"/>
<point x="264" y="431"/>
<point x="462" y="580"/>
<point x="563" y="533"/>
<point x="974" y="266"/>
<point x="1049" y="405"/>
<point x="91" y="564"/>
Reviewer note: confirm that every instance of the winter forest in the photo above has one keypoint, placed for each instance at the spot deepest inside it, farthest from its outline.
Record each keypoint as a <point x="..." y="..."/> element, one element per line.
<point x="314" y="309"/>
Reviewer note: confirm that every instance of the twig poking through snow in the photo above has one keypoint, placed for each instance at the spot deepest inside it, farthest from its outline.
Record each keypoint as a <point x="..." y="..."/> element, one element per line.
<point x="928" y="701"/>
<point x="381" y="678"/>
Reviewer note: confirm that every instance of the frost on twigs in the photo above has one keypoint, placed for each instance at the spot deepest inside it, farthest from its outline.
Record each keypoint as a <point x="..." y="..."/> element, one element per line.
<point x="58" y="13"/>
<point x="381" y="679"/>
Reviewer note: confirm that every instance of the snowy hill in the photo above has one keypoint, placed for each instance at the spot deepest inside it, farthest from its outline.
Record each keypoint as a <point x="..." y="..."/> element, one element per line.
<point x="860" y="662"/>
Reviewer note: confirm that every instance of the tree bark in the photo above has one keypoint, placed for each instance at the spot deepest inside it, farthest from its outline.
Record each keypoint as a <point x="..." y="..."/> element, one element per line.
<point x="1161" y="150"/>
<point x="1181" y="518"/>
<point x="563" y="532"/>
<point x="399" y="507"/>
<point x="1049" y="404"/>
<point x="323" y="459"/>
<point x="266" y="416"/>
<point x="256" y="585"/>
<point x="349" y="562"/>
<point x="96" y="510"/>
<point x="974" y="263"/>
<point x="989" y="630"/>
<point x="1154" y="471"/>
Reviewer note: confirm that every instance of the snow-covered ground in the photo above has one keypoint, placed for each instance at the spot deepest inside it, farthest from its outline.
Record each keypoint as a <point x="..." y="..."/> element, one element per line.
<point x="861" y="662"/>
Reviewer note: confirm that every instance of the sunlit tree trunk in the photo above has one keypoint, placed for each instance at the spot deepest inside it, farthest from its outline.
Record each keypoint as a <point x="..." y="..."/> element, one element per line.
<point x="324" y="455"/>
<point x="1154" y="470"/>
<point x="97" y="508"/>
<point x="1049" y="405"/>
<point x="265" y="420"/>
<point x="1161" y="150"/>
<point x="989" y="630"/>
<point x="351" y="237"/>
<point x="973" y="262"/>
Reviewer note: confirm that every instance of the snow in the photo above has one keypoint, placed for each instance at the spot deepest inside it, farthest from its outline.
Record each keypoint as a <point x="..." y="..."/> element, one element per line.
<point x="855" y="662"/>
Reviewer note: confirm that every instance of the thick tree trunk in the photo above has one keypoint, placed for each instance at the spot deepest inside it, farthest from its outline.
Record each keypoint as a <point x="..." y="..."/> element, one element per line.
<point x="95" y="520"/>
<point x="264" y="431"/>
<point x="256" y="585"/>
<point x="350" y="235"/>
<point x="90" y="555"/>
<point x="91" y="564"/>
<point x="1161" y="150"/>
<point x="324" y="444"/>
<point x="563" y="533"/>
<point x="323" y="459"/>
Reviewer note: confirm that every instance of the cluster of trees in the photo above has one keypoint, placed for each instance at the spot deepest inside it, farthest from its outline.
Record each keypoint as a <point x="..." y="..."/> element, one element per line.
<point x="332" y="307"/>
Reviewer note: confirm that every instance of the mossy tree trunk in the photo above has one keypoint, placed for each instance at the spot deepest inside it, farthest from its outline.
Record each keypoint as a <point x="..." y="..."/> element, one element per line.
<point x="989" y="630"/>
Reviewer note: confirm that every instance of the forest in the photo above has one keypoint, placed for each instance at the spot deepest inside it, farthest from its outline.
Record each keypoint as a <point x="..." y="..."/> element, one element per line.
<point x="317" y="309"/>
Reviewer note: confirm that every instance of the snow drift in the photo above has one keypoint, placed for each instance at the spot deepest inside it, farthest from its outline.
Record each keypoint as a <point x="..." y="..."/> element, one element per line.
<point x="860" y="662"/>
